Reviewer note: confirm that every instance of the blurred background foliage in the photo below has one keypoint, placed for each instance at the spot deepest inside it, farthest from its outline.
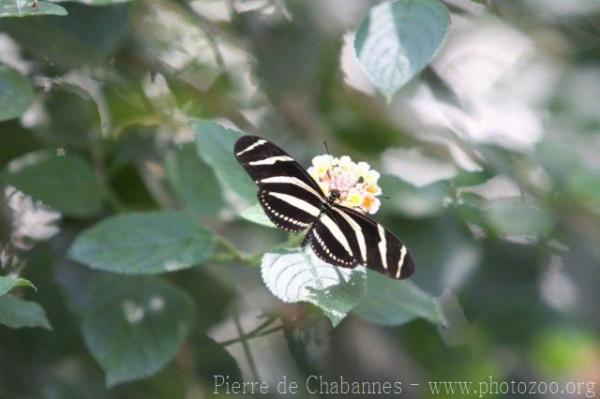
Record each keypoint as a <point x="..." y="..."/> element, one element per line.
<point x="489" y="158"/>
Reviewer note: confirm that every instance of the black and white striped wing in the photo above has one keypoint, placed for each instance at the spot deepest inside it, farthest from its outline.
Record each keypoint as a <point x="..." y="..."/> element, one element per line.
<point x="348" y="238"/>
<point x="287" y="193"/>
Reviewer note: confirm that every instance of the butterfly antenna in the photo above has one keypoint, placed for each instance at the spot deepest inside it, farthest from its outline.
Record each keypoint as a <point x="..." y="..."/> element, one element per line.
<point x="330" y="159"/>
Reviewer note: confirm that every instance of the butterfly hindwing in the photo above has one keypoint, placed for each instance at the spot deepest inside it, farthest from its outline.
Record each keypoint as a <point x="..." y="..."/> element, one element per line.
<point x="332" y="240"/>
<point x="385" y="253"/>
<point x="347" y="238"/>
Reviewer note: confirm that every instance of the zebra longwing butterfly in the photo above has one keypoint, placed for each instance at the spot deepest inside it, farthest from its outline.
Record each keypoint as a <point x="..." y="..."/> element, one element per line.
<point x="293" y="201"/>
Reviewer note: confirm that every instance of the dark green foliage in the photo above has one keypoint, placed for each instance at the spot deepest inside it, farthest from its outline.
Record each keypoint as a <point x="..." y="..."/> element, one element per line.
<point x="133" y="327"/>
<point x="66" y="183"/>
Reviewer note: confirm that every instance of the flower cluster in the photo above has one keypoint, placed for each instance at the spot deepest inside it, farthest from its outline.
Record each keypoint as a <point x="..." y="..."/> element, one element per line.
<point x="356" y="182"/>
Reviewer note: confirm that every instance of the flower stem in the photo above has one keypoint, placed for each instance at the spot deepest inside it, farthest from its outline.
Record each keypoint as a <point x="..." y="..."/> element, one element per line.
<point x="232" y="254"/>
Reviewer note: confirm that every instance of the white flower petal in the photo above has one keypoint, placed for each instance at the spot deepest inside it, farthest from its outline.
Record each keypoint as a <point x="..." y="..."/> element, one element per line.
<point x="321" y="160"/>
<point x="363" y="167"/>
<point x="375" y="206"/>
<point x="372" y="176"/>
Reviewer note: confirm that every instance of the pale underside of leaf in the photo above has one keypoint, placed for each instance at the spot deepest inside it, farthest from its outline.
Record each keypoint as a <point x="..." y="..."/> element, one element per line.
<point x="298" y="276"/>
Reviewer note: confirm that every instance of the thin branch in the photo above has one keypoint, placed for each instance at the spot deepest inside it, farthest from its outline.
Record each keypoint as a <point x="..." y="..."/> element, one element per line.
<point x="97" y="153"/>
<point x="232" y="254"/>
<point x="257" y="332"/>
<point x="252" y="336"/>
<point x="246" y="348"/>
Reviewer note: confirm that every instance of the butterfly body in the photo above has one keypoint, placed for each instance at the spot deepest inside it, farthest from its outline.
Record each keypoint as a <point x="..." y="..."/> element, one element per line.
<point x="294" y="201"/>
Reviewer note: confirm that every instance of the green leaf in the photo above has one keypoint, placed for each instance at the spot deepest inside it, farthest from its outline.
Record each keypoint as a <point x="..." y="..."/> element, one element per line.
<point x="212" y="359"/>
<point x="474" y="178"/>
<point x="573" y="173"/>
<point x="295" y="276"/>
<point x="215" y="146"/>
<point x="134" y="326"/>
<point x="16" y="313"/>
<point x="16" y="93"/>
<point x="397" y="39"/>
<point x="193" y="181"/>
<point x="25" y="8"/>
<point x="7" y="283"/>
<point x="391" y="302"/>
<point x="516" y="218"/>
<point x="86" y="35"/>
<point x="411" y="201"/>
<point x="255" y="214"/>
<point x="65" y="183"/>
<point x="142" y="243"/>
<point x="456" y="329"/>
<point x="95" y="2"/>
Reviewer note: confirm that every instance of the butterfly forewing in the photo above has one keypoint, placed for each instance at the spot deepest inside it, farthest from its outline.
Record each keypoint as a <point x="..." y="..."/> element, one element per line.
<point x="285" y="211"/>
<point x="288" y="195"/>
<point x="263" y="159"/>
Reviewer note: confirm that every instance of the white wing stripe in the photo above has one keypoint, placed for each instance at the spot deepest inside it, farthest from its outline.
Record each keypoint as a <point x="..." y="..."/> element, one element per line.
<point x="292" y="180"/>
<point x="401" y="261"/>
<point x="360" y="237"/>
<point x="252" y="146"/>
<point x="297" y="203"/>
<point x="336" y="232"/>
<point x="271" y="160"/>
<point x="382" y="245"/>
